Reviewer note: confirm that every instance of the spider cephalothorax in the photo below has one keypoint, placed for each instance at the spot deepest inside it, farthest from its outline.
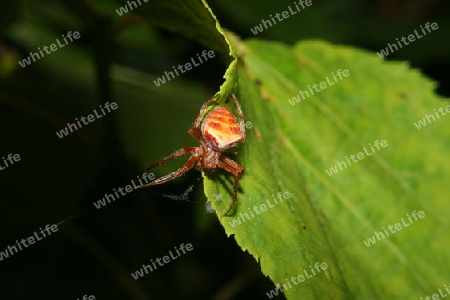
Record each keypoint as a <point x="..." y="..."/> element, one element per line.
<point x="220" y="132"/>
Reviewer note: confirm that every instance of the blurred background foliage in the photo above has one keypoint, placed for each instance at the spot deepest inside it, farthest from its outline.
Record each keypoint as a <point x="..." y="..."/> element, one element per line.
<point x="116" y="59"/>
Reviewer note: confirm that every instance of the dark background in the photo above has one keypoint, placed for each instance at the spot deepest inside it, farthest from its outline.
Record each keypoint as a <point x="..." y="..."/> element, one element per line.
<point x="117" y="59"/>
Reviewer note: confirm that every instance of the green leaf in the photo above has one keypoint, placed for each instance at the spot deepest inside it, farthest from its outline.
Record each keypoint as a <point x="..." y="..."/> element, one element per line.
<point x="328" y="218"/>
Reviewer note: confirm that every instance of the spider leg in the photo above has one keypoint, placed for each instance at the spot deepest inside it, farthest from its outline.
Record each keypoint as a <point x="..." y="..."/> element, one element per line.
<point x="187" y="166"/>
<point x="241" y="116"/>
<point x="195" y="133"/>
<point x="202" y="110"/>
<point x="231" y="166"/>
<point x="233" y="150"/>
<point x="177" y="153"/>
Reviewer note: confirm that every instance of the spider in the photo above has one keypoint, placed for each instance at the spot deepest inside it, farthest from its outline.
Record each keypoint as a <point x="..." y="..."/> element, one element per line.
<point x="220" y="132"/>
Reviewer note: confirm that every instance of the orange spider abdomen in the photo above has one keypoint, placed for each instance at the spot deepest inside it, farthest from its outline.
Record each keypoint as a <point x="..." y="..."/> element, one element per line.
<point x="220" y="128"/>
